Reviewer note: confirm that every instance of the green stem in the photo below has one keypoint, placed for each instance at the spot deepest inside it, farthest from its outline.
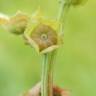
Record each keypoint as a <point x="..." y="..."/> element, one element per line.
<point x="47" y="74"/>
<point x="48" y="58"/>
<point x="64" y="8"/>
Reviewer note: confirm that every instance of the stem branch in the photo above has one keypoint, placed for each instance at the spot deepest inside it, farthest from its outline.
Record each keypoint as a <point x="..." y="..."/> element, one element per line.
<point x="62" y="14"/>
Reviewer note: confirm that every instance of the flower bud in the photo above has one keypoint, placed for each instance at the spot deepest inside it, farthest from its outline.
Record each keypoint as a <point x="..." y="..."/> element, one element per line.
<point x="17" y="24"/>
<point x="78" y="2"/>
<point x="75" y="2"/>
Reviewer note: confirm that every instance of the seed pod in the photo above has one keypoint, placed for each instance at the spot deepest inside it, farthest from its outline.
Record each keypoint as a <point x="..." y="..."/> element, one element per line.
<point x="43" y="38"/>
<point x="42" y="35"/>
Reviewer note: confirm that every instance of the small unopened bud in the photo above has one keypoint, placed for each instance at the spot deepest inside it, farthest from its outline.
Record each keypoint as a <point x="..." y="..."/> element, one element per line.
<point x="75" y="2"/>
<point x="78" y="2"/>
<point x="17" y="23"/>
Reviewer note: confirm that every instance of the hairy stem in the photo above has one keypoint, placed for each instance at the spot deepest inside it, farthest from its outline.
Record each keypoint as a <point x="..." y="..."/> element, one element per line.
<point x="47" y="74"/>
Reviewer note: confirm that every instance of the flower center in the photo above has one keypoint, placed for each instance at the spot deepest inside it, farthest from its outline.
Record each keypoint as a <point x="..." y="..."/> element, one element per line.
<point x="44" y="36"/>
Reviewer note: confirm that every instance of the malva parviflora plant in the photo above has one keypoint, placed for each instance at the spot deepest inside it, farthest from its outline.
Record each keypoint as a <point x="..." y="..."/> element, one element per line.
<point x="45" y="36"/>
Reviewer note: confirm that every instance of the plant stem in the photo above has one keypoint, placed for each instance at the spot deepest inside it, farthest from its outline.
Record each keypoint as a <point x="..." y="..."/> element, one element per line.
<point x="48" y="58"/>
<point x="62" y="14"/>
<point x="47" y="74"/>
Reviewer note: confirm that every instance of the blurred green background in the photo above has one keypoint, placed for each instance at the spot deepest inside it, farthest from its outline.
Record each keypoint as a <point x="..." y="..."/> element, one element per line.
<point x="75" y="68"/>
